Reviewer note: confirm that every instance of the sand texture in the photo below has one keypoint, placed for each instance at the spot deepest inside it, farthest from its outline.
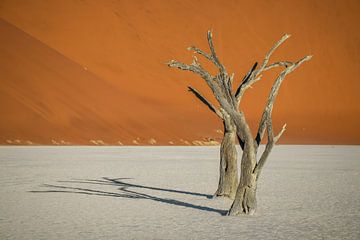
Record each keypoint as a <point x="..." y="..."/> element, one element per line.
<point x="305" y="192"/>
<point x="94" y="73"/>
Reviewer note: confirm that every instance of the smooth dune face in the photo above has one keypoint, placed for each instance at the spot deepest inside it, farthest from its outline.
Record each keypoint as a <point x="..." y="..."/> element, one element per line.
<point x="93" y="72"/>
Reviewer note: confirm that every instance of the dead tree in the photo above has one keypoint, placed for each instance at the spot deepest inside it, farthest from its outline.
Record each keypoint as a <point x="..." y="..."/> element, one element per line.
<point x="228" y="171"/>
<point x="229" y="100"/>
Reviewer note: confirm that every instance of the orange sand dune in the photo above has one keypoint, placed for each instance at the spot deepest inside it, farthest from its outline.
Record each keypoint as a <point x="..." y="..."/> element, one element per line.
<point x="46" y="98"/>
<point x="94" y="70"/>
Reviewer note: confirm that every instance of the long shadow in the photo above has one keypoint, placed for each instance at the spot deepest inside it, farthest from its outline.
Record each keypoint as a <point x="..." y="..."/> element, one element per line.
<point x="126" y="193"/>
<point x="121" y="183"/>
<point x="86" y="191"/>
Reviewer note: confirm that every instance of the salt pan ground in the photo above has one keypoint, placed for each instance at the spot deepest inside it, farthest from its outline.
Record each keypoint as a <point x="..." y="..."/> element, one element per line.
<point x="305" y="192"/>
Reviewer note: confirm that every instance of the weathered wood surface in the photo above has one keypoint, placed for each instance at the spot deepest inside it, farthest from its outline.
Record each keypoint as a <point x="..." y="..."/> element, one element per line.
<point x="229" y="101"/>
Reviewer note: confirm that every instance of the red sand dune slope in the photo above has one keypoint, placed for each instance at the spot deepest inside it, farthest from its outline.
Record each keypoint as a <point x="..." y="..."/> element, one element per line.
<point x="45" y="98"/>
<point x="77" y="71"/>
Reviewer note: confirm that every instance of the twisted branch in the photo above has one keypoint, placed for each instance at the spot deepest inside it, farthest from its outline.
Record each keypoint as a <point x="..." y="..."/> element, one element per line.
<point x="272" y="96"/>
<point x="255" y="75"/>
<point x="221" y="86"/>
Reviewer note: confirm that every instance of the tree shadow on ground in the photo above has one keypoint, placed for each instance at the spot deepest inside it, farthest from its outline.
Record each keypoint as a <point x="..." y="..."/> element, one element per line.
<point x="125" y="192"/>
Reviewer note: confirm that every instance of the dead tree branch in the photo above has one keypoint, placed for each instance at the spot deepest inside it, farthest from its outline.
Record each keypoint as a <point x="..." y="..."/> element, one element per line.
<point x="194" y="67"/>
<point x="257" y="74"/>
<point x="245" y="80"/>
<point x="206" y="102"/>
<point x="269" y="145"/>
<point x="221" y="86"/>
<point x="202" y="53"/>
<point x="213" y="53"/>
<point x="272" y="96"/>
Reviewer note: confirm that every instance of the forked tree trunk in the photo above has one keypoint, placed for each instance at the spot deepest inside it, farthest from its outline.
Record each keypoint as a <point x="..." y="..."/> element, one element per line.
<point x="221" y="87"/>
<point x="228" y="179"/>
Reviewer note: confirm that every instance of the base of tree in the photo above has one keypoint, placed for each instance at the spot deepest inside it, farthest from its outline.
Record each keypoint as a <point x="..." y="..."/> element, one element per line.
<point x="227" y="186"/>
<point x="246" y="204"/>
<point x="223" y="195"/>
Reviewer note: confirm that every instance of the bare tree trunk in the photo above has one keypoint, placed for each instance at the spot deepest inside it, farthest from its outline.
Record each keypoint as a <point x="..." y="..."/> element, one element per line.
<point x="228" y="179"/>
<point x="229" y="101"/>
<point x="245" y="199"/>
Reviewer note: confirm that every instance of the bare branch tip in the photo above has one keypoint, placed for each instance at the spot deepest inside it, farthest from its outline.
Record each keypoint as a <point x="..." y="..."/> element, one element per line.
<point x="210" y="33"/>
<point x="195" y="61"/>
<point x="191" y="48"/>
<point x="276" y="138"/>
<point x="304" y="59"/>
<point x="171" y="63"/>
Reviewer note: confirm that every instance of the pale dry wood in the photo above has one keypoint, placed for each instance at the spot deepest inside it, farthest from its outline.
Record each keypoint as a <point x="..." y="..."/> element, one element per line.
<point x="201" y="52"/>
<point x="213" y="53"/>
<point x="228" y="172"/>
<point x="217" y="85"/>
<point x="272" y="96"/>
<point x="257" y="74"/>
<point x="221" y="86"/>
<point x="269" y="145"/>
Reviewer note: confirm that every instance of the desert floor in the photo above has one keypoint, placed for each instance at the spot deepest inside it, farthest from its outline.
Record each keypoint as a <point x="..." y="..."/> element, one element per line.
<point x="305" y="192"/>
